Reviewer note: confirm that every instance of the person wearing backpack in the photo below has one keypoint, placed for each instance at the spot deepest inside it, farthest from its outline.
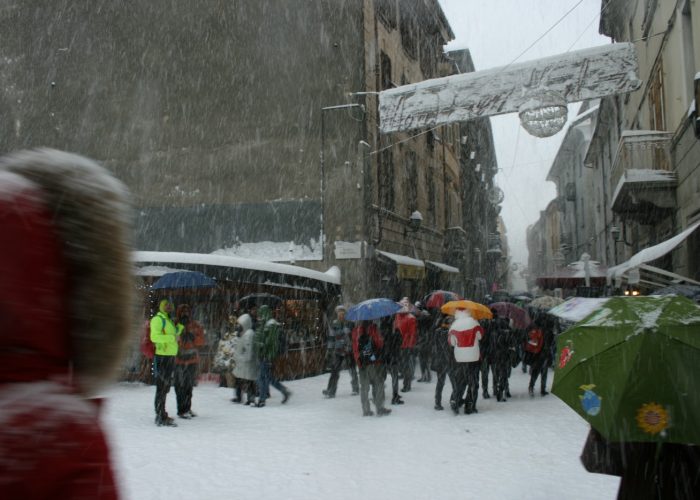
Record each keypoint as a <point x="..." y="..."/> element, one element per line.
<point x="538" y="350"/>
<point x="164" y="336"/>
<point x="268" y="343"/>
<point x="367" y="346"/>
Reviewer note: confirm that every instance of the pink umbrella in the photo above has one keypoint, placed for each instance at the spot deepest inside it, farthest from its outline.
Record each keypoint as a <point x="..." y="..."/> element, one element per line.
<point x="521" y="319"/>
<point x="437" y="298"/>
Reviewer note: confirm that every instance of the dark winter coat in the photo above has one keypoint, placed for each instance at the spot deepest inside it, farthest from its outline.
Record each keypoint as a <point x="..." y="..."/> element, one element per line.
<point x="66" y="297"/>
<point x="391" y="352"/>
<point x="647" y="471"/>
<point x="442" y="357"/>
<point x="425" y="322"/>
<point x="503" y="342"/>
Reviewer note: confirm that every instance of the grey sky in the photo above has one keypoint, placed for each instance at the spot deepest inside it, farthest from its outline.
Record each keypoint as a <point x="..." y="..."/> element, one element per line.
<point x="497" y="32"/>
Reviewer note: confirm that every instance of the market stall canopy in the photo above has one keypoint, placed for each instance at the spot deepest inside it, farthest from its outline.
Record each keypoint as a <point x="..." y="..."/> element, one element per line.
<point x="573" y="275"/>
<point x="650" y="254"/>
<point x="442" y="267"/>
<point x="577" y="308"/>
<point x="406" y="267"/>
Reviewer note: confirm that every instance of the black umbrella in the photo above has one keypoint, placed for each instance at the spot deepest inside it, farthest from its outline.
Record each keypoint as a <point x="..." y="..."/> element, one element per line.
<point x="259" y="299"/>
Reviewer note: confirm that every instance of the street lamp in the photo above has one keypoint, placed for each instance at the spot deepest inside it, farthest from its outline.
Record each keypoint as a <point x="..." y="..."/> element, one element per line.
<point x="323" y="168"/>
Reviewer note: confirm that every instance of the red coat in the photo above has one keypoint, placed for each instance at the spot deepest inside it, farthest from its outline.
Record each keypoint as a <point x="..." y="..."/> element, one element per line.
<point x="51" y="442"/>
<point x="377" y="340"/>
<point x="407" y="324"/>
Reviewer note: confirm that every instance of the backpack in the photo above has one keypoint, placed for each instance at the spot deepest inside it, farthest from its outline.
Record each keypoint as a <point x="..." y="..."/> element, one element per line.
<point x="534" y="342"/>
<point x="148" y="348"/>
<point x="366" y="348"/>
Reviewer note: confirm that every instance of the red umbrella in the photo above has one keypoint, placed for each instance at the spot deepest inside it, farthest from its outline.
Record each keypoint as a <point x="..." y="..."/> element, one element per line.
<point x="521" y="319"/>
<point x="436" y="299"/>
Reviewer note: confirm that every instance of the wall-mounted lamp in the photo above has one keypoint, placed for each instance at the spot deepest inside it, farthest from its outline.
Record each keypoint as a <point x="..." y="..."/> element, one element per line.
<point x="414" y="222"/>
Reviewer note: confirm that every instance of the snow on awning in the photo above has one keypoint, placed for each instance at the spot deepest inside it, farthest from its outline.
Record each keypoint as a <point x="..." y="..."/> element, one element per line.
<point x="406" y="267"/>
<point x="649" y="254"/>
<point x="442" y="267"/>
<point x="577" y="308"/>
<point x="330" y="276"/>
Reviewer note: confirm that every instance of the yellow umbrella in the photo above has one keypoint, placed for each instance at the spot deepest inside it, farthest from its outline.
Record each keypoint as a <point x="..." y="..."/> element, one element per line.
<point x="478" y="311"/>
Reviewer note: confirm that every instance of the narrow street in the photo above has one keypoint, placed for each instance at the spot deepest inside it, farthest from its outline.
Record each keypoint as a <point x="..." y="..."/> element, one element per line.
<point x="526" y="448"/>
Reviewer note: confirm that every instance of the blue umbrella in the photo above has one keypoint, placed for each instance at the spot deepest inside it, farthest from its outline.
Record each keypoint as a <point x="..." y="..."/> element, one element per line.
<point x="184" y="279"/>
<point x="372" y="309"/>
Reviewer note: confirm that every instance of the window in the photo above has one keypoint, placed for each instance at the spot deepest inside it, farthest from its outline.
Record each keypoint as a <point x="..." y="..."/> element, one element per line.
<point x="430" y="183"/>
<point x="409" y="31"/>
<point x="385" y="75"/>
<point x="411" y="181"/>
<point x="656" y="98"/>
<point x="386" y="179"/>
<point x="649" y="12"/>
<point x="386" y="11"/>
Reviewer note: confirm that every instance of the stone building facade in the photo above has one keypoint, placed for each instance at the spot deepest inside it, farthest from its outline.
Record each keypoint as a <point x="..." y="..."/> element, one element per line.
<point x="216" y="115"/>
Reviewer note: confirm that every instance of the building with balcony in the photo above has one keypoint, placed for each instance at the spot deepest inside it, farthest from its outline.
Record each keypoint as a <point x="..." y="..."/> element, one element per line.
<point x="643" y="182"/>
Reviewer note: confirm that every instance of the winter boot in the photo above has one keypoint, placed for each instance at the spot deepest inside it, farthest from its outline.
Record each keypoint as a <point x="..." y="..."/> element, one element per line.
<point x="486" y="395"/>
<point x="531" y="391"/>
<point x="287" y="395"/>
<point x="543" y="392"/>
<point x="383" y="411"/>
<point x="184" y="415"/>
<point x="367" y="413"/>
<point x="455" y="407"/>
<point x="165" y="422"/>
<point x="396" y="400"/>
<point x="438" y="407"/>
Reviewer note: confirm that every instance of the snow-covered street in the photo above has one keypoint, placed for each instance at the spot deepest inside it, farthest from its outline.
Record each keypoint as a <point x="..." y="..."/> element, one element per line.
<point x="313" y="448"/>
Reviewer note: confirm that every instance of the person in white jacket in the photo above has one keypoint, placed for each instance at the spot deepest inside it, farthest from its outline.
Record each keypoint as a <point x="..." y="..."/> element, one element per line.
<point x="464" y="336"/>
<point x="246" y="363"/>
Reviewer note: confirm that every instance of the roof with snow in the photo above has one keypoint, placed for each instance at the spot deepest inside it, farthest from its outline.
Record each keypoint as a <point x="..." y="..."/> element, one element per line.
<point x="167" y="259"/>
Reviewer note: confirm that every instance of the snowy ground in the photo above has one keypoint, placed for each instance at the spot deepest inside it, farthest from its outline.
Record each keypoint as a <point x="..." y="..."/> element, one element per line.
<point x="312" y="448"/>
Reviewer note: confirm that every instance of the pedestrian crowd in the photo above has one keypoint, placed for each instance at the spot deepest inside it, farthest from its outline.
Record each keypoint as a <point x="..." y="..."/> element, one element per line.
<point x="455" y="347"/>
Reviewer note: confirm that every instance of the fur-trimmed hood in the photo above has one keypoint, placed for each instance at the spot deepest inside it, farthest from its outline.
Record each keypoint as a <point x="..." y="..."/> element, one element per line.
<point x="66" y="290"/>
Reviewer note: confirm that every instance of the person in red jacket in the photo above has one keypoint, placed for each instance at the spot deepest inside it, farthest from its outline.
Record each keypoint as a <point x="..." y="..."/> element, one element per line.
<point x="66" y="297"/>
<point x="187" y="359"/>
<point x="406" y="323"/>
<point x="367" y="347"/>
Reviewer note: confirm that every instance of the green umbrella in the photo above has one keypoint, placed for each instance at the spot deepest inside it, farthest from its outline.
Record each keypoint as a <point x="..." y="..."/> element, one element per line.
<point x="632" y="369"/>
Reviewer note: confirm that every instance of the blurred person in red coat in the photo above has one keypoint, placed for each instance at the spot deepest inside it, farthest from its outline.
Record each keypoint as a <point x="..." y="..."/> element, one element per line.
<point x="66" y="310"/>
<point x="406" y="323"/>
<point x="189" y="341"/>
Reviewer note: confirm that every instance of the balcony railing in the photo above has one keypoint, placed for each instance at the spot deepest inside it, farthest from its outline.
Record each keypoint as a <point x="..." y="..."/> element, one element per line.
<point x="641" y="150"/>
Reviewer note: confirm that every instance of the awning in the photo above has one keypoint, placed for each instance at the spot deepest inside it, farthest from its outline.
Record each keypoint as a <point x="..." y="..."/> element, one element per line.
<point x="442" y="267"/>
<point x="406" y="267"/>
<point x="649" y="254"/>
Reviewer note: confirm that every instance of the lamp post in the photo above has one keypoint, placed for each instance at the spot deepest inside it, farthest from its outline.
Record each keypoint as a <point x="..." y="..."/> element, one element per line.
<point x="323" y="169"/>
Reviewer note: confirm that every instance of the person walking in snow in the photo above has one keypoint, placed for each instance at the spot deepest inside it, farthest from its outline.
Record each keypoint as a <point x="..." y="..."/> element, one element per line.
<point x="423" y="344"/>
<point x="406" y="323"/>
<point x="246" y="368"/>
<point x="442" y="358"/>
<point x="538" y="350"/>
<point x="268" y="344"/>
<point x="464" y="336"/>
<point x="189" y="341"/>
<point x="504" y="351"/>
<point x="367" y="346"/>
<point x="391" y="355"/>
<point x="340" y="351"/>
<point x="66" y="295"/>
